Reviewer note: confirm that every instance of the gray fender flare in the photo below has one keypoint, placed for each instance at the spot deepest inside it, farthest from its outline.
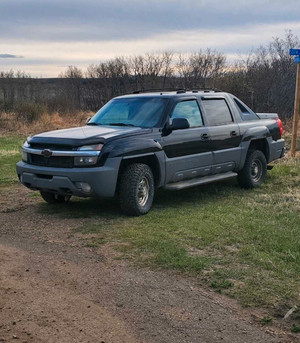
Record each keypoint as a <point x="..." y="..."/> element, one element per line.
<point x="252" y="134"/>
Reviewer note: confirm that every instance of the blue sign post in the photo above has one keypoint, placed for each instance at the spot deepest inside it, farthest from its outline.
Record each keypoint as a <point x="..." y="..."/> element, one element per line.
<point x="296" y="53"/>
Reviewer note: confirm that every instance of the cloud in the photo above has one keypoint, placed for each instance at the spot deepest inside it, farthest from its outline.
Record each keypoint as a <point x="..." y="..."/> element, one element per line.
<point x="51" y="58"/>
<point x="54" y="33"/>
<point x="10" y="56"/>
<point x="114" y="20"/>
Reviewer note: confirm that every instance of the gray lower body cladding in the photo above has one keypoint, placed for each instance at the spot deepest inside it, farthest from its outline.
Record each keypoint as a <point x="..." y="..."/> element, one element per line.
<point x="277" y="149"/>
<point x="103" y="180"/>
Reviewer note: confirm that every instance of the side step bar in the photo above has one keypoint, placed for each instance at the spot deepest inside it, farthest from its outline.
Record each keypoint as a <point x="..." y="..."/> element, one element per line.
<point x="198" y="181"/>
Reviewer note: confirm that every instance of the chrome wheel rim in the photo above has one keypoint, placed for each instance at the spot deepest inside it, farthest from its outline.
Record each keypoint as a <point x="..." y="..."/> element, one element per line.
<point x="143" y="191"/>
<point x="256" y="170"/>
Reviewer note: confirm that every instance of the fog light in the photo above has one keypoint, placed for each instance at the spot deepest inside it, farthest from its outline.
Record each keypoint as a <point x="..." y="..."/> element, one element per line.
<point x="83" y="186"/>
<point x="85" y="160"/>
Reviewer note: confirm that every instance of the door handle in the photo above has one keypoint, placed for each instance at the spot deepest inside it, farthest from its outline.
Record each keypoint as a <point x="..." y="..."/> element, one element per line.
<point x="204" y="136"/>
<point x="233" y="133"/>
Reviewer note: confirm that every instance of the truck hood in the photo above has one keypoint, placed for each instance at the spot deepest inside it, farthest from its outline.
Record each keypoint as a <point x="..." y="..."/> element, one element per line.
<point x="86" y="135"/>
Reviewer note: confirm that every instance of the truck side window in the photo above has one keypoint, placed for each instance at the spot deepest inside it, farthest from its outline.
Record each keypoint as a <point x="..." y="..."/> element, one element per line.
<point x="217" y="111"/>
<point x="188" y="109"/>
<point x="245" y="113"/>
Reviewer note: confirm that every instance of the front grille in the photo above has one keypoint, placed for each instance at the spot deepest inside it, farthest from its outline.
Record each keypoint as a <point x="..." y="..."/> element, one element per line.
<point x="57" y="147"/>
<point x="53" y="161"/>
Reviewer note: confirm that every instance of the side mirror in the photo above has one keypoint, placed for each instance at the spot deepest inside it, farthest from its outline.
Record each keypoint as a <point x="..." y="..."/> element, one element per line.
<point x="175" y="124"/>
<point x="88" y="119"/>
<point x="179" y="124"/>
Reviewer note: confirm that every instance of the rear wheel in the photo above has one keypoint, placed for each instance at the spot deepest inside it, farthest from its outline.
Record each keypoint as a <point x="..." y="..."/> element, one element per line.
<point x="254" y="171"/>
<point x="54" y="198"/>
<point x="136" y="190"/>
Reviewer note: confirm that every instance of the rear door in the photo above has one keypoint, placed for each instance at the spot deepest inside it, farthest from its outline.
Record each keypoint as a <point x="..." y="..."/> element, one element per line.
<point x="224" y="134"/>
<point x="188" y="151"/>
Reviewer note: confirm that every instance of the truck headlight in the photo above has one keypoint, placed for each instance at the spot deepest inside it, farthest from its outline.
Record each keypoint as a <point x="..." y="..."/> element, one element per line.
<point x="24" y="154"/>
<point x="95" y="147"/>
<point x="82" y="161"/>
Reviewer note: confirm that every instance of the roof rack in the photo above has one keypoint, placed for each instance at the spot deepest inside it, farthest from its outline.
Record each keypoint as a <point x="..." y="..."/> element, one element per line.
<point x="177" y="90"/>
<point x="150" y="90"/>
<point x="206" y="90"/>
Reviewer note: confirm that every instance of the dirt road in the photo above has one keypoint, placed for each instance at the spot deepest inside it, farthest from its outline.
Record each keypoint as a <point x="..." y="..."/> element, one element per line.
<point x="54" y="289"/>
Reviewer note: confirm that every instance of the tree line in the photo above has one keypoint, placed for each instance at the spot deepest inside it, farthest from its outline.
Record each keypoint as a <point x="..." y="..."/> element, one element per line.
<point x="265" y="80"/>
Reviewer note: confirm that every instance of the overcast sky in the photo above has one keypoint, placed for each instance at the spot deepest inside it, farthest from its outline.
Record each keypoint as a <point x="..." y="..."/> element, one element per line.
<point x="43" y="37"/>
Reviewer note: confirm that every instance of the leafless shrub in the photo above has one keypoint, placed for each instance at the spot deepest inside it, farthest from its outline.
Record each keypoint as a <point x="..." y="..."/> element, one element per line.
<point x="29" y="112"/>
<point x="265" y="80"/>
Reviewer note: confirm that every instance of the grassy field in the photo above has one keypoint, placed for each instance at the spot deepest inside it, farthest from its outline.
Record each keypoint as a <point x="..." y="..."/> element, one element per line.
<point x="10" y="153"/>
<point x="244" y="243"/>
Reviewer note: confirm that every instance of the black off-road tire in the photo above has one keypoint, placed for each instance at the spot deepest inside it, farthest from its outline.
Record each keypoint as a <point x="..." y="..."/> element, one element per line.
<point x="136" y="189"/>
<point x="53" y="198"/>
<point x="254" y="171"/>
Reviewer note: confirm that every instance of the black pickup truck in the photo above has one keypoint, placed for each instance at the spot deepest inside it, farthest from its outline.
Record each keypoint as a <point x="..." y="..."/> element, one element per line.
<point x="139" y="142"/>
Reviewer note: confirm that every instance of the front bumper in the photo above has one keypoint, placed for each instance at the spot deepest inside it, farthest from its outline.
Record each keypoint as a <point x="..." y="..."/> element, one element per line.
<point x="103" y="180"/>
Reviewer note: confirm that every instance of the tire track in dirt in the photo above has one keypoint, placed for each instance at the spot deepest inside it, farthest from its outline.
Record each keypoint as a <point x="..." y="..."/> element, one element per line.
<point x="52" y="289"/>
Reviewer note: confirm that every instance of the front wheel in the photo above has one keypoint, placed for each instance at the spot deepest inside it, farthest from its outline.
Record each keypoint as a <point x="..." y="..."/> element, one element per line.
<point x="136" y="190"/>
<point x="54" y="198"/>
<point x="254" y="171"/>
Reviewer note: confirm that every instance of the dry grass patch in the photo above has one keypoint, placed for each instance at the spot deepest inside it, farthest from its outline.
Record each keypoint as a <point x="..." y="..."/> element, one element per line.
<point x="9" y="122"/>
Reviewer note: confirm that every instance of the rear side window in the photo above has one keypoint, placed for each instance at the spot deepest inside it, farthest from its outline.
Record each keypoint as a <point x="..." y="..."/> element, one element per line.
<point x="188" y="109"/>
<point x="245" y="113"/>
<point x="217" y="111"/>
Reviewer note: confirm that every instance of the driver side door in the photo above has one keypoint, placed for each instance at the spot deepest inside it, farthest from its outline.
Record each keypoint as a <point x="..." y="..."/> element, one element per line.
<point x="188" y="152"/>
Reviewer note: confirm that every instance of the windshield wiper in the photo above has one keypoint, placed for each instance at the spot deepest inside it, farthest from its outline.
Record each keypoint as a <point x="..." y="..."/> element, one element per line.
<point x="120" y="124"/>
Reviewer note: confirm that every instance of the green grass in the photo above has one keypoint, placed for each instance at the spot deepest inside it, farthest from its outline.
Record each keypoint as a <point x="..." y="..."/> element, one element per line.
<point x="92" y="245"/>
<point x="295" y="328"/>
<point x="266" y="320"/>
<point x="222" y="284"/>
<point x="10" y="154"/>
<point x="244" y="243"/>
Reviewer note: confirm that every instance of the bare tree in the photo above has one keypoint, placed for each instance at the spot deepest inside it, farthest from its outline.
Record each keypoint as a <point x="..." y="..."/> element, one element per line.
<point x="167" y="67"/>
<point x="264" y="80"/>
<point x="73" y="91"/>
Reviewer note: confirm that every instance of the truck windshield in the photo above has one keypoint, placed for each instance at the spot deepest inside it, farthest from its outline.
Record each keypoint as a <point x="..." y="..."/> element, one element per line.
<point x="143" y="112"/>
